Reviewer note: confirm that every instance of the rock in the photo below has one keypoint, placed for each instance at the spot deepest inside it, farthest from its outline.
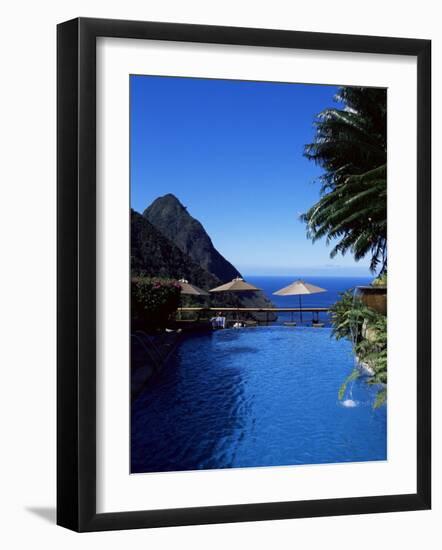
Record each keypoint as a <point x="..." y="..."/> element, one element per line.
<point x="173" y="220"/>
<point x="156" y="256"/>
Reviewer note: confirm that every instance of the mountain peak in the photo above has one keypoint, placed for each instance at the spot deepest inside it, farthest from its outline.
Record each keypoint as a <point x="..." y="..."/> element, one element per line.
<point x="172" y="219"/>
<point x="168" y="201"/>
<point x="155" y="256"/>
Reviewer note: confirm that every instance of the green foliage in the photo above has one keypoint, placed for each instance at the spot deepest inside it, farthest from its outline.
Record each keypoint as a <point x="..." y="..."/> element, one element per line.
<point x="381" y="398"/>
<point x="351" y="146"/>
<point x="367" y="329"/>
<point x="348" y="315"/>
<point x="373" y="349"/>
<point x="381" y="280"/>
<point x="153" y="301"/>
<point x="355" y="374"/>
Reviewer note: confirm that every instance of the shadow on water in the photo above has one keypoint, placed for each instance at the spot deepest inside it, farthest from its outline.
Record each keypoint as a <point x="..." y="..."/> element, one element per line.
<point x="193" y="413"/>
<point x="243" y="349"/>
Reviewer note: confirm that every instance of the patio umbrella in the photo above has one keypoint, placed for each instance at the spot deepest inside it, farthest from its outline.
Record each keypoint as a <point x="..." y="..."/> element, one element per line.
<point x="298" y="288"/>
<point x="190" y="290"/>
<point x="187" y="288"/>
<point x="236" y="285"/>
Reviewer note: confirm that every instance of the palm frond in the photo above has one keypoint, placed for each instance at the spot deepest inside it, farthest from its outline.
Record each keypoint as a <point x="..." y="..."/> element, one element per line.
<point x="350" y="145"/>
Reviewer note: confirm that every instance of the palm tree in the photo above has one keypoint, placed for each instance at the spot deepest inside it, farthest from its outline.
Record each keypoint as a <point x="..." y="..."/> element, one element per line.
<point x="351" y="146"/>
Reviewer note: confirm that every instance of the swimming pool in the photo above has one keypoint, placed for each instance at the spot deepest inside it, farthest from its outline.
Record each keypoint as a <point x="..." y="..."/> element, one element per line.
<point x="265" y="396"/>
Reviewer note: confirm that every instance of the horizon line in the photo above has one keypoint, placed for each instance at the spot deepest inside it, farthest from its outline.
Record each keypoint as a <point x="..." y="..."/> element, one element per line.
<point x="299" y="274"/>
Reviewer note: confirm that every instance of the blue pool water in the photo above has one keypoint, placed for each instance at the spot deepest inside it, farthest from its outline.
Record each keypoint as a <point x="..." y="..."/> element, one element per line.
<point x="264" y="396"/>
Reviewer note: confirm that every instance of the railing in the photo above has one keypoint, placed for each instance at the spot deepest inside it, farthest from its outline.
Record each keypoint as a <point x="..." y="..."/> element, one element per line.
<point x="267" y="310"/>
<point x="257" y="309"/>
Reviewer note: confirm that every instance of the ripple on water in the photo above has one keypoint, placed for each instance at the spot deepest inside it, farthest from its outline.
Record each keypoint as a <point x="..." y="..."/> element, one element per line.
<point x="256" y="397"/>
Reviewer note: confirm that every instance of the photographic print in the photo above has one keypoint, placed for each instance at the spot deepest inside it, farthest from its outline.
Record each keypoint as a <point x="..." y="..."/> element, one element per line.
<point x="258" y="274"/>
<point x="222" y="265"/>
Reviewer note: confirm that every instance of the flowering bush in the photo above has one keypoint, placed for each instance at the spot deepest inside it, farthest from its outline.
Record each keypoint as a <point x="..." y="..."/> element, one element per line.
<point x="153" y="301"/>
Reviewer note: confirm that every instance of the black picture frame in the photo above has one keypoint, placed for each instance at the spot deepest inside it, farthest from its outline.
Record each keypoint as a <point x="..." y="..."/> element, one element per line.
<point x="76" y="271"/>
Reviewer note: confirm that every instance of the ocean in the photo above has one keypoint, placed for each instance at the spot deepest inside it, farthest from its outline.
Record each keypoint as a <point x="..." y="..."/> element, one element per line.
<point x="333" y="285"/>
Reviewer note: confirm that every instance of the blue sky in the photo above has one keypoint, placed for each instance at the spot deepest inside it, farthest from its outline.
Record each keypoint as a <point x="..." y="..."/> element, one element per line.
<point x="232" y="152"/>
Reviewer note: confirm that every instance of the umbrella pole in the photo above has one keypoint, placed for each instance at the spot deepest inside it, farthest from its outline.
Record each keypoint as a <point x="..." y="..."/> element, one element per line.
<point x="300" y="308"/>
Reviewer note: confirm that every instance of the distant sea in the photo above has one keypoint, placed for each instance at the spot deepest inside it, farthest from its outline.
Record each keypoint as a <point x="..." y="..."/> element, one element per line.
<point x="333" y="285"/>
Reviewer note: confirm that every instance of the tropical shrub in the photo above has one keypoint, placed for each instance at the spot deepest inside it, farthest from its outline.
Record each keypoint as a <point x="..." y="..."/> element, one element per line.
<point x="381" y="280"/>
<point x="348" y="315"/>
<point x="367" y="330"/>
<point x="153" y="301"/>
